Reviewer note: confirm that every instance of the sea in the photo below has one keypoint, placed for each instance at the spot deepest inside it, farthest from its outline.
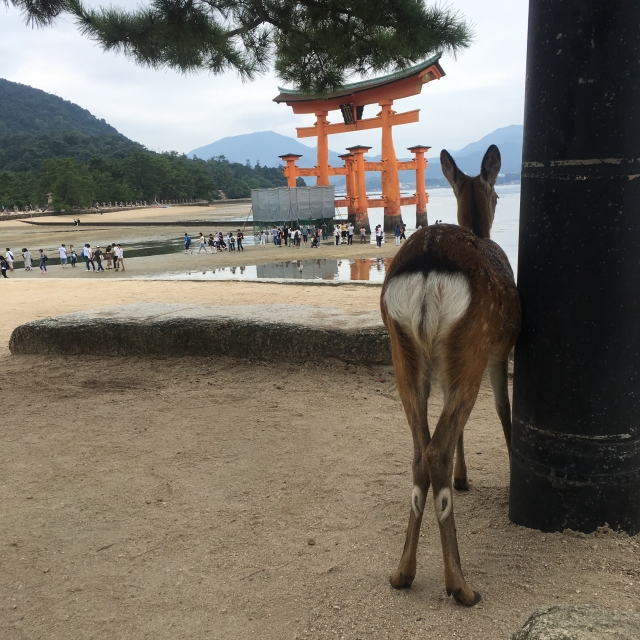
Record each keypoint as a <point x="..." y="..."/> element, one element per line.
<point x="442" y="206"/>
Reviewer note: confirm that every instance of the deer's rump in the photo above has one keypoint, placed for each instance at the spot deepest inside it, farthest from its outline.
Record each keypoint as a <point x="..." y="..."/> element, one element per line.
<point x="446" y="281"/>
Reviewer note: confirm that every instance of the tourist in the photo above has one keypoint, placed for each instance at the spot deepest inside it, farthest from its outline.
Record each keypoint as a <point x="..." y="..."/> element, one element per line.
<point x="88" y="256"/>
<point x="232" y="241"/>
<point x="343" y="233"/>
<point x="285" y="235"/>
<point x="203" y="244"/>
<point x="305" y="234"/>
<point x="396" y="233"/>
<point x="274" y="235"/>
<point x="62" y="250"/>
<point x="26" y="256"/>
<point x="98" y="256"/>
<point x="72" y="254"/>
<point x="350" y="230"/>
<point x="4" y="265"/>
<point x="120" y="256"/>
<point x="43" y="262"/>
<point x="107" y="255"/>
<point x="263" y="238"/>
<point x="240" y="236"/>
<point x="379" y="233"/>
<point x="212" y="243"/>
<point x="363" y="235"/>
<point x="403" y="236"/>
<point x="187" y="243"/>
<point x="336" y="233"/>
<point x="324" y="231"/>
<point x="9" y="258"/>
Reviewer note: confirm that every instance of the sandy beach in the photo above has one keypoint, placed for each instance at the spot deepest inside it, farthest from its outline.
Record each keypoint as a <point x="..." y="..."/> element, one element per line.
<point x="211" y="497"/>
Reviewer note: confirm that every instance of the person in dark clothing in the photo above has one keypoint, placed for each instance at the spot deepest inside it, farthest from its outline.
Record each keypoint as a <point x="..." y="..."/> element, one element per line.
<point x="240" y="238"/>
<point x="4" y="265"/>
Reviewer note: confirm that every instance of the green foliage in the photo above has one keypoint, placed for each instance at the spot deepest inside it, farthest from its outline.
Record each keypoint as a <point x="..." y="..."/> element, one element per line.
<point x="26" y="151"/>
<point x="140" y="176"/>
<point x="315" y="44"/>
<point x="28" y="110"/>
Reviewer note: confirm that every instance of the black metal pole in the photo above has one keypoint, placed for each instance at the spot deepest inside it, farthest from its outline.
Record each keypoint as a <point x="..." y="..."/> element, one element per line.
<point x="576" y="411"/>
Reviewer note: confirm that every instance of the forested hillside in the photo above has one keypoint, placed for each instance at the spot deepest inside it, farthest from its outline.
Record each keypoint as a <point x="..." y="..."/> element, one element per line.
<point x="29" y="110"/>
<point x="26" y="151"/>
<point x="52" y="146"/>
<point x="140" y="176"/>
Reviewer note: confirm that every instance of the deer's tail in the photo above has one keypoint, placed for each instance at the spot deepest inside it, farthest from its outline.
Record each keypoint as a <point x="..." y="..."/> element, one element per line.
<point x="427" y="306"/>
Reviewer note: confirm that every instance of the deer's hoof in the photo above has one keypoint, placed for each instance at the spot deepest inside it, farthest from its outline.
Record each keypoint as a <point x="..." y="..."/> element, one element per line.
<point x="461" y="484"/>
<point x="399" y="580"/>
<point x="467" y="599"/>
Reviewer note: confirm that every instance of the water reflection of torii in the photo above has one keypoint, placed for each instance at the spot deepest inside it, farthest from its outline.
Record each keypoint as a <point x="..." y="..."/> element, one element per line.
<point x="351" y="100"/>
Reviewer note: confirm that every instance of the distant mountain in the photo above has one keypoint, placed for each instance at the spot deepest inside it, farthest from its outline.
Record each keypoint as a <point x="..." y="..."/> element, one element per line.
<point x="24" y="109"/>
<point x="509" y="141"/>
<point x="265" y="147"/>
<point x="262" y="147"/>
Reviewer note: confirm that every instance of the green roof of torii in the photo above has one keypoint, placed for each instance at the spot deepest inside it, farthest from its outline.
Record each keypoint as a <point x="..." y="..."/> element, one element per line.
<point x="297" y="96"/>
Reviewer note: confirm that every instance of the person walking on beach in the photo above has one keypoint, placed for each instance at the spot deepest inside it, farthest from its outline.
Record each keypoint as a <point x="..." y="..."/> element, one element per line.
<point x="9" y="258"/>
<point x="203" y="244"/>
<point x="26" y="256"/>
<point x="88" y="257"/>
<point x="107" y="255"/>
<point x="62" y="250"/>
<point x="305" y="234"/>
<point x="187" y="243"/>
<point x="336" y="233"/>
<point x="324" y="231"/>
<point x="43" y="262"/>
<point x="73" y="255"/>
<point x="4" y="265"/>
<point x="363" y="235"/>
<point x="396" y="233"/>
<point x="263" y="238"/>
<point x="120" y="256"/>
<point x="240" y="237"/>
<point x="403" y="236"/>
<point x="98" y="256"/>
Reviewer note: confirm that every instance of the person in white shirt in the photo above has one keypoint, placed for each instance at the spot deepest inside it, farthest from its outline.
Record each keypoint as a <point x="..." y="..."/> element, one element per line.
<point x="63" y="255"/>
<point x="26" y="254"/>
<point x="119" y="257"/>
<point x="8" y="256"/>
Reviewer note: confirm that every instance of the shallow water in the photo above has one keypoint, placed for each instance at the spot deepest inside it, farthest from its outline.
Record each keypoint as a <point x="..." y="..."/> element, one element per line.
<point x="367" y="269"/>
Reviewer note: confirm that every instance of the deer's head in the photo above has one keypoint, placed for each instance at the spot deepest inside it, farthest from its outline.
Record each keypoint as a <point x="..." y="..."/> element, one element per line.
<point x="476" y="197"/>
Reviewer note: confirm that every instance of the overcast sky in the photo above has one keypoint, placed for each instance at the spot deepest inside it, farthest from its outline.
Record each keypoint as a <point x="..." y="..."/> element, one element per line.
<point x="482" y="91"/>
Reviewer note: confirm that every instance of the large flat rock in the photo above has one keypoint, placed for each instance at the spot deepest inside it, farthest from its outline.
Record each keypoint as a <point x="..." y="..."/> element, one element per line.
<point x="262" y="332"/>
<point x="566" y="622"/>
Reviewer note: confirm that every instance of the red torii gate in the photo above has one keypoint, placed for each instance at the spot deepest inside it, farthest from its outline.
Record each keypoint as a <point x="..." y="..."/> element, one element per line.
<point x="351" y="100"/>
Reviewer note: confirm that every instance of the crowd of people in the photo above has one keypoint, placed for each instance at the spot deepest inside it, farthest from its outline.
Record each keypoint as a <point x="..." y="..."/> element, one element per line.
<point x="215" y="242"/>
<point x="112" y="256"/>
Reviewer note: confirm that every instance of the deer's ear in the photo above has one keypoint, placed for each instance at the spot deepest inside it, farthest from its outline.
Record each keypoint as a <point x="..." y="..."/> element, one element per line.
<point x="450" y="169"/>
<point x="491" y="164"/>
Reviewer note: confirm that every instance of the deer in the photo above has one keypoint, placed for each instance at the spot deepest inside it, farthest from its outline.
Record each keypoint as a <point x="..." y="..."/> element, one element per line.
<point x="451" y="308"/>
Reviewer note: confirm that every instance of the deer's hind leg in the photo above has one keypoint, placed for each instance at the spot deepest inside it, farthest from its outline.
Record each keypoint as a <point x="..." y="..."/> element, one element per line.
<point x="499" y="376"/>
<point x="461" y="386"/>
<point x="414" y="386"/>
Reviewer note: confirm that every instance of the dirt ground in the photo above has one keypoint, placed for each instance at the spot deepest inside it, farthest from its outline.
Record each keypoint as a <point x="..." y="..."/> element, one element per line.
<point x="215" y="498"/>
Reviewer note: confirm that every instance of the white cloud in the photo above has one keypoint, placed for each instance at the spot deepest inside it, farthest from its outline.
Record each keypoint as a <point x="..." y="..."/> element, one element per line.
<point x="483" y="89"/>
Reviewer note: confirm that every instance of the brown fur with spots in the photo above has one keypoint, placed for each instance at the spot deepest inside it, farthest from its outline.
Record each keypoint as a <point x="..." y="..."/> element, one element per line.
<point x="480" y="339"/>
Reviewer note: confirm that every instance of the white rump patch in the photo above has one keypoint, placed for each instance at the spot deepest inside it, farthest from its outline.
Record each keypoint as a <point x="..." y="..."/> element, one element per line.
<point x="427" y="307"/>
<point x="417" y="501"/>
<point x="444" y="504"/>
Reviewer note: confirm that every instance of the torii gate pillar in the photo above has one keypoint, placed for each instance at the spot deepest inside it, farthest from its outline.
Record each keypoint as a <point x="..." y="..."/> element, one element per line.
<point x="390" y="180"/>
